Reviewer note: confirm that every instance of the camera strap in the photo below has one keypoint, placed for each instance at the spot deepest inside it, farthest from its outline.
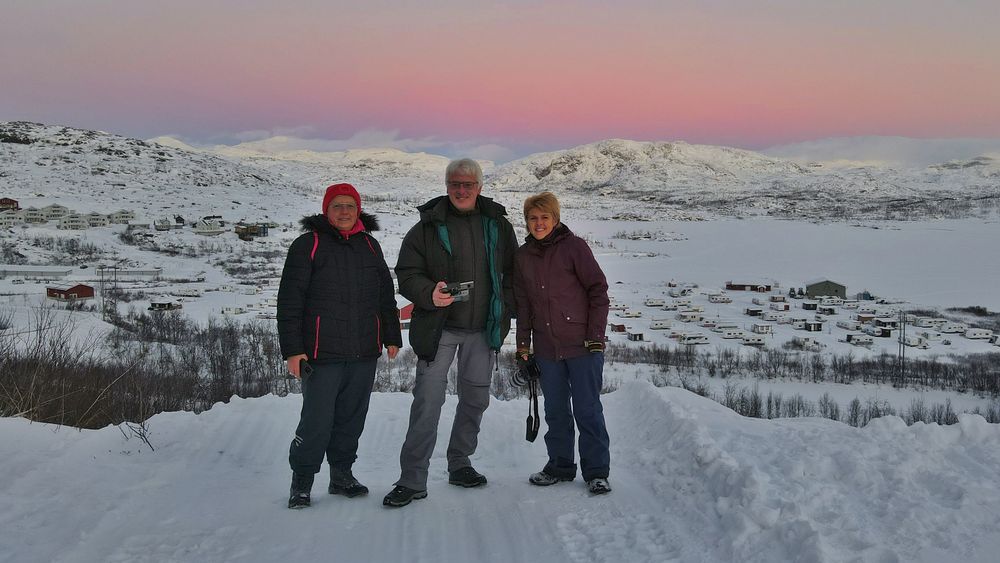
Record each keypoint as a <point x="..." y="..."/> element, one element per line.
<point x="533" y="422"/>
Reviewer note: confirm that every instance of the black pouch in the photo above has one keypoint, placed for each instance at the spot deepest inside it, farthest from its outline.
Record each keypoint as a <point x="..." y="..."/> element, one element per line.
<point x="533" y="421"/>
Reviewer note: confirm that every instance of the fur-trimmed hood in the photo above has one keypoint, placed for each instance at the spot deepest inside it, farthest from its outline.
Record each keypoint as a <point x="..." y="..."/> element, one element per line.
<point x="320" y="224"/>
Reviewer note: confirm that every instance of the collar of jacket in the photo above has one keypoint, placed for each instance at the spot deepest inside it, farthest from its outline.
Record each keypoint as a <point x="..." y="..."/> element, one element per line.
<point x="560" y="232"/>
<point x="436" y="210"/>
<point x="321" y="224"/>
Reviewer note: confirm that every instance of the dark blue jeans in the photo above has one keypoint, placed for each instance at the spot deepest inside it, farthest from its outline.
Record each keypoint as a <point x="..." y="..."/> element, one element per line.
<point x="572" y="390"/>
<point x="334" y="408"/>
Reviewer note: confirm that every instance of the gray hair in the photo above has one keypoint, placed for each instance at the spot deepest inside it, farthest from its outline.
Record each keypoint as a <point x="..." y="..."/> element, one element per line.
<point x="465" y="166"/>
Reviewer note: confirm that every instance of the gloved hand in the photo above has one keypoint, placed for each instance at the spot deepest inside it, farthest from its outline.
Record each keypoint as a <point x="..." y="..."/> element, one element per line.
<point x="594" y="346"/>
<point x="523" y="353"/>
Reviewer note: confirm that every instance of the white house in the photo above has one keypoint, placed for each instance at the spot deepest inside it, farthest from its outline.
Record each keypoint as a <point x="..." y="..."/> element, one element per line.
<point x="9" y="218"/>
<point x="73" y="222"/>
<point x="121" y="217"/>
<point x="97" y="220"/>
<point x="761" y="328"/>
<point x="55" y="211"/>
<point x="33" y="215"/>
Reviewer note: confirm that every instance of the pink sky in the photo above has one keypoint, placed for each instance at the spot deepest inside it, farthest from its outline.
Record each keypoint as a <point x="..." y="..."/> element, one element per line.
<point x="520" y="74"/>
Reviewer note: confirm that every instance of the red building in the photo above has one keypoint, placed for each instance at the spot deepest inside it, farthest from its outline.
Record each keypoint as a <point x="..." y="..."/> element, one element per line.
<point x="7" y="203"/>
<point x="404" y="316"/>
<point x="69" y="292"/>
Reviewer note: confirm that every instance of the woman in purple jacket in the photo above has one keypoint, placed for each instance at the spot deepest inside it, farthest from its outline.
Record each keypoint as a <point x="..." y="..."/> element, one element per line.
<point x="562" y="305"/>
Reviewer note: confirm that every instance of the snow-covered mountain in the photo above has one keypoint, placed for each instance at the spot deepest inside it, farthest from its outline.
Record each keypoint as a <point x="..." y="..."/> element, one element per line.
<point x="96" y="171"/>
<point x="738" y="182"/>
<point x="668" y="179"/>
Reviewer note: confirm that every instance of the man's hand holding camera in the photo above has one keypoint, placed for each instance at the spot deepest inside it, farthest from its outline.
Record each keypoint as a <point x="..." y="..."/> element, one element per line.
<point x="441" y="297"/>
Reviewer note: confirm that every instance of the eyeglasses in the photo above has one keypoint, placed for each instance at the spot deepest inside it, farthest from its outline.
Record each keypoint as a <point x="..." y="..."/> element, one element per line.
<point x="462" y="185"/>
<point x="343" y="206"/>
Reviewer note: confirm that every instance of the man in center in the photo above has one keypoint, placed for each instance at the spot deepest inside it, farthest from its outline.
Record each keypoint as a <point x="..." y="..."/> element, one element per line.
<point x="461" y="237"/>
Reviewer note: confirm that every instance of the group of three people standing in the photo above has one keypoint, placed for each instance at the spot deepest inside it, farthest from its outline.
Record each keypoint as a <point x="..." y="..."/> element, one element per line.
<point x="337" y="311"/>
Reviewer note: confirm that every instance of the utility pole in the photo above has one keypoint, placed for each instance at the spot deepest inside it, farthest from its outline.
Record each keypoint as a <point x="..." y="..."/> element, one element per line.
<point x="901" y="355"/>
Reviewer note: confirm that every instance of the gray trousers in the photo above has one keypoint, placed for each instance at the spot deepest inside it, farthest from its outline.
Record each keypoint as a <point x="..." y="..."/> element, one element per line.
<point x="475" y="364"/>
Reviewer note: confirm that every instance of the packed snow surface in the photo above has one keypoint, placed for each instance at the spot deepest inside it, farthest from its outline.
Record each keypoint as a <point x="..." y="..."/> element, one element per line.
<point x="692" y="482"/>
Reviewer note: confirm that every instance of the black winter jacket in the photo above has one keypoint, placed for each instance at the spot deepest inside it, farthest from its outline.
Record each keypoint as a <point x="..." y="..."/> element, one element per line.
<point x="424" y="260"/>
<point x="336" y="300"/>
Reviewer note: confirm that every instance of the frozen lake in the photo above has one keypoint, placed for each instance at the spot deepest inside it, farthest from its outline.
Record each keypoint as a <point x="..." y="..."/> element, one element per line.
<point x="948" y="263"/>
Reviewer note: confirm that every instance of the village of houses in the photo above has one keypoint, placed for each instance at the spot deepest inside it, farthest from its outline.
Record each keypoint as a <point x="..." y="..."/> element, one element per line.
<point x="78" y="285"/>
<point x="816" y="316"/>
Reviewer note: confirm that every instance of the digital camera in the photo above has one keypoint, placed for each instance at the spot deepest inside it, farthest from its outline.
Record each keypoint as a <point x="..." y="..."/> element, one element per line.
<point x="527" y="371"/>
<point x="458" y="290"/>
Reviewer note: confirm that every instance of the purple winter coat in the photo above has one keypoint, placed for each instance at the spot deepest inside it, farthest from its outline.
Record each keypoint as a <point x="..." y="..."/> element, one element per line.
<point x="561" y="293"/>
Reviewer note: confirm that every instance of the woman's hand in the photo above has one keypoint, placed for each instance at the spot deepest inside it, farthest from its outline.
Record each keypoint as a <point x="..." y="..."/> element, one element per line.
<point x="293" y="364"/>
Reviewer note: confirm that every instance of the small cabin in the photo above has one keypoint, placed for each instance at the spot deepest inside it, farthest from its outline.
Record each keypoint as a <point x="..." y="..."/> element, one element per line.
<point x="761" y="328"/>
<point x="849" y="325"/>
<point x="635" y="336"/>
<point x="952" y="328"/>
<point x="859" y="339"/>
<point x="753" y="311"/>
<point x="69" y="292"/>
<point x="164" y="305"/>
<point x="742" y="286"/>
<point x="978" y="334"/>
<point x="620" y="328"/>
<point x="730" y="333"/>
<point x="812" y="326"/>
<point x="689" y="316"/>
<point x="692" y="339"/>
<point x="886" y="322"/>
<point x="779" y="306"/>
<point x="810" y="305"/>
<point x="826" y="310"/>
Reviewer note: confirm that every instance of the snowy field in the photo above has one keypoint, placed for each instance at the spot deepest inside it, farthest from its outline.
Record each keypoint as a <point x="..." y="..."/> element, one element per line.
<point x="692" y="482"/>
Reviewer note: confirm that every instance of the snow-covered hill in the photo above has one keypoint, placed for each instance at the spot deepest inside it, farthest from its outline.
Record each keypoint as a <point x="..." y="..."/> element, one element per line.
<point x="693" y="482"/>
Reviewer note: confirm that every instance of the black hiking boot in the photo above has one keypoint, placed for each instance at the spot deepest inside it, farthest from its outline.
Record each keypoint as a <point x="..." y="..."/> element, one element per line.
<point x="298" y="495"/>
<point x="466" y="477"/>
<point x="401" y="496"/>
<point x="598" y="486"/>
<point x="343" y="483"/>
<point x="544" y="479"/>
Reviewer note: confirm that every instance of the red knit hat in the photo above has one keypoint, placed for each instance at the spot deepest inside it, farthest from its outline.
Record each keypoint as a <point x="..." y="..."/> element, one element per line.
<point x="340" y="189"/>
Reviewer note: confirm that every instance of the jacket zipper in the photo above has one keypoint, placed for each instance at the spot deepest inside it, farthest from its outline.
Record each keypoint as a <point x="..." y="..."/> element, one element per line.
<point x="316" y="349"/>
